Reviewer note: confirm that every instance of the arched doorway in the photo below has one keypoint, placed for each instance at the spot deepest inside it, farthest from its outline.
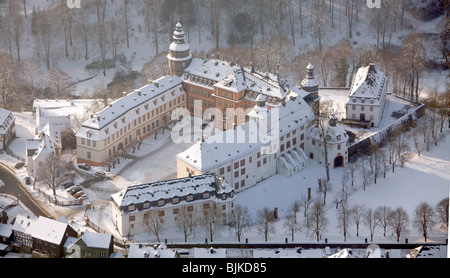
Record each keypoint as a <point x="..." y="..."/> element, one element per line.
<point x="339" y="161"/>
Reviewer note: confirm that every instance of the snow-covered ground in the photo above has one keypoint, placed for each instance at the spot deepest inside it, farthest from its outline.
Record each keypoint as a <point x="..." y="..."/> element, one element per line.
<point x="424" y="178"/>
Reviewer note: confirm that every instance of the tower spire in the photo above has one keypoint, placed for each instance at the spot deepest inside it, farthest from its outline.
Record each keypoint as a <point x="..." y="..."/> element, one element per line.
<point x="179" y="56"/>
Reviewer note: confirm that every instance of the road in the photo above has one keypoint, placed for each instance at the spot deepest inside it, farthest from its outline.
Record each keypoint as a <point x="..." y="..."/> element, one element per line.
<point x="13" y="186"/>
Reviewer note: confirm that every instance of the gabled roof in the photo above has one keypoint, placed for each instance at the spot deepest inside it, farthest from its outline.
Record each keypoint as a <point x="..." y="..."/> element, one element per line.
<point x="96" y="240"/>
<point x="49" y="230"/>
<point x="216" y="150"/>
<point x="368" y="83"/>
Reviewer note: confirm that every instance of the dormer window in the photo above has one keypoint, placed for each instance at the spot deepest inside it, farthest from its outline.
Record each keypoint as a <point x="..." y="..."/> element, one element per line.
<point x="161" y="202"/>
<point x="205" y="195"/>
<point x="175" y="200"/>
<point x="363" y="100"/>
<point x="354" y="99"/>
<point x="146" y="204"/>
<point x="371" y="101"/>
<point x="131" y="207"/>
<point x="190" y="198"/>
<point x="224" y="196"/>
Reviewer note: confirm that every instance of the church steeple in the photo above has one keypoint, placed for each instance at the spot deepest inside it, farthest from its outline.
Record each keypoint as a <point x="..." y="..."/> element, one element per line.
<point x="179" y="56"/>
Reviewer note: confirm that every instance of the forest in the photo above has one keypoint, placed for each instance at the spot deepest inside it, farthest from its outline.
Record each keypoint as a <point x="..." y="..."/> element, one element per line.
<point x="49" y="50"/>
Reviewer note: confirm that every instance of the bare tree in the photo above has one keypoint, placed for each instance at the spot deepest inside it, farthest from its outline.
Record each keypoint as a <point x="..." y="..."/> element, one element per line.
<point x="305" y="204"/>
<point x="45" y="25"/>
<point x="16" y="23"/>
<point x="60" y="82"/>
<point x="343" y="217"/>
<point x="52" y="173"/>
<point x="357" y="212"/>
<point x="351" y="169"/>
<point x="424" y="218"/>
<point x="9" y="80"/>
<point x="382" y="215"/>
<point x="210" y="220"/>
<point x="370" y="221"/>
<point x="265" y="222"/>
<point x="398" y="220"/>
<point x="318" y="220"/>
<point x="240" y="220"/>
<point x="442" y="212"/>
<point x="365" y="172"/>
<point x="185" y="221"/>
<point x="154" y="223"/>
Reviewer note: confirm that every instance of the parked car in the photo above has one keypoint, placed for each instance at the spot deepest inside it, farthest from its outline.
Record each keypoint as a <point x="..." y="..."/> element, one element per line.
<point x="74" y="190"/>
<point x="78" y="194"/>
<point x="84" y="166"/>
<point x="100" y="174"/>
<point x="68" y="184"/>
<point x="27" y="180"/>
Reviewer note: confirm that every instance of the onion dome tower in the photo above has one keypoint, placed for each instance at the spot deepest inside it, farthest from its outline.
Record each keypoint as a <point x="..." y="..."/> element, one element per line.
<point x="179" y="56"/>
<point x="311" y="86"/>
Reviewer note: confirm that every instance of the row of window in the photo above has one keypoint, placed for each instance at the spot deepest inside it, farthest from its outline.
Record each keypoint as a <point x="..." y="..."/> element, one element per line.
<point x="362" y="107"/>
<point x="173" y="200"/>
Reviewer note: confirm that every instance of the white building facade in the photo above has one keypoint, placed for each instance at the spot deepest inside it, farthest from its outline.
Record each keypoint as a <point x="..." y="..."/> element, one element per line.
<point x="132" y="208"/>
<point x="367" y="97"/>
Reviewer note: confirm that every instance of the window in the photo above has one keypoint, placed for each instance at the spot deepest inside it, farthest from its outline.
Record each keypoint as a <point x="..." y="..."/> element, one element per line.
<point x="288" y="144"/>
<point x="228" y="169"/>
<point x="242" y="183"/>
<point x="339" y="146"/>
<point x="371" y="108"/>
<point x="132" y="218"/>
<point x="236" y="185"/>
<point x="161" y="202"/>
<point x="222" y="171"/>
<point x="161" y="213"/>
<point x="236" y="174"/>
<point x="302" y="136"/>
<point x="242" y="171"/>
<point x="189" y="198"/>
<point x="313" y="142"/>
<point x="353" y="107"/>
<point x="250" y="159"/>
<point x="146" y="204"/>
<point x="258" y="164"/>
<point x="265" y="160"/>
<point x="175" y="211"/>
<point x="362" y="107"/>
<point x="83" y="141"/>
<point x="236" y="165"/>
<point x="175" y="200"/>
<point x="190" y="208"/>
<point x="258" y="155"/>
<point x="294" y="141"/>
<point x="282" y="147"/>
<point x="242" y="162"/>
<point x="131" y="207"/>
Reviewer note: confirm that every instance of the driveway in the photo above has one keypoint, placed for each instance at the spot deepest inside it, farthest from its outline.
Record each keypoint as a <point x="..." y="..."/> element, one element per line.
<point x="13" y="186"/>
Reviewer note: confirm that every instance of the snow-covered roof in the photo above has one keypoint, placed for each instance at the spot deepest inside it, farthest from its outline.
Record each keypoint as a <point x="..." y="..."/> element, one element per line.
<point x="210" y="253"/>
<point x="337" y="134"/>
<point x="217" y="149"/>
<point x="135" y="104"/>
<point x="152" y="192"/>
<point x="49" y="230"/>
<point x="24" y="224"/>
<point x="232" y="77"/>
<point x="5" y="230"/>
<point x="368" y="84"/>
<point x="96" y="240"/>
<point x="46" y="146"/>
<point x="151" y="251"/>
<point x="6" y="118"/>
